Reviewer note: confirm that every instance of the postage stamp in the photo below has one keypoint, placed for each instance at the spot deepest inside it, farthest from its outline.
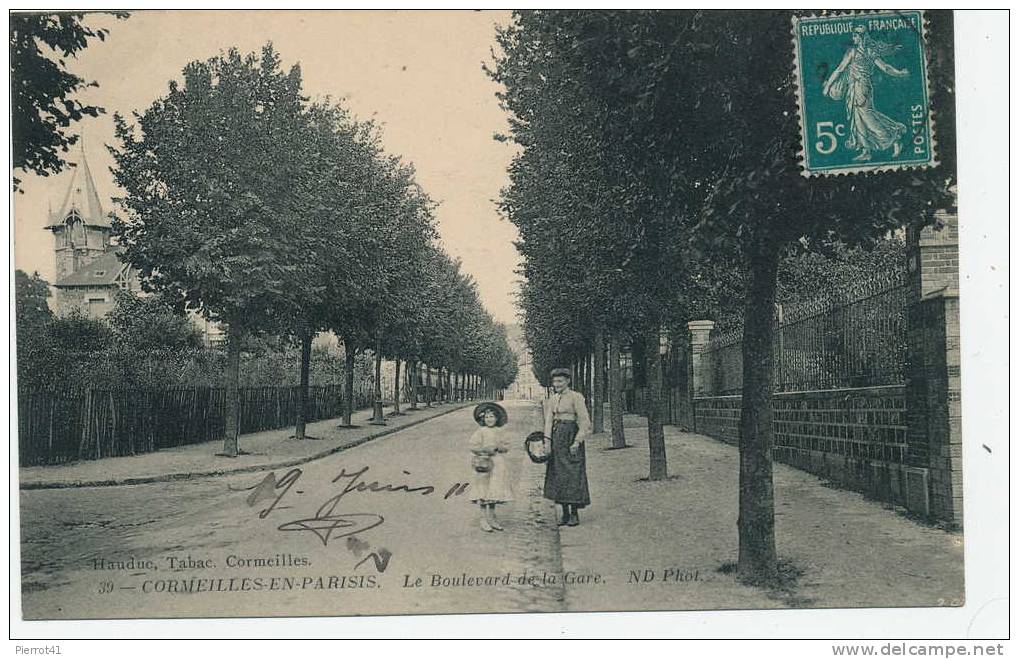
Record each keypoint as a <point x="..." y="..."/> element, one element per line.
<point x="863" y="92"/>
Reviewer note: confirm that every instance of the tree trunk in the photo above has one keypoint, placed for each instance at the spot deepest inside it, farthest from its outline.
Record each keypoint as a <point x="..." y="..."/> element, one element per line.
<point x="350" y="354"/>
<point x="412" y="373"/>
<point x="396" y="390"/>
<point x="655" y="432"/>
<point x="302" y="403"/>
<point x="378" y="417"/>
<point x="757" y="555"/>
<point x="233" y="393"/>
<point x="597" y="396"/>
<point x="588" y="380"/>
<point x="616" y="395"/>
<point x="439" y="391"/>
<point x="429" y="393"/>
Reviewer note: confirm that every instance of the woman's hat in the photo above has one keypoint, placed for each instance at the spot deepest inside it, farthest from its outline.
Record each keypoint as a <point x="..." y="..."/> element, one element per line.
<point x="565" y="372"/>
<point x="500" y="414"/>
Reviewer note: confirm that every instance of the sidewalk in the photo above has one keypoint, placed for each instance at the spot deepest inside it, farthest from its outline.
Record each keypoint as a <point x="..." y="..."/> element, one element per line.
<point x="270" y="449"/>
<point x="852" y="552"/>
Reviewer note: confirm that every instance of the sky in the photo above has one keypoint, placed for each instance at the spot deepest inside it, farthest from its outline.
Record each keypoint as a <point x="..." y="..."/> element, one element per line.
<point x="418" y="73"/>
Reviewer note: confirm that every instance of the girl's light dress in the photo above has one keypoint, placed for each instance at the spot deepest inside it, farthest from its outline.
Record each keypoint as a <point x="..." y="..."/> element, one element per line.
<point x="493" y="486"/>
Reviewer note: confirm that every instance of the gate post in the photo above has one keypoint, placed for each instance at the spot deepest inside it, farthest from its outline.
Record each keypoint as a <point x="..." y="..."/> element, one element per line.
<point x="933" y="393"/>
<point x="700" y="369"/>
<point x="699" y="378"/>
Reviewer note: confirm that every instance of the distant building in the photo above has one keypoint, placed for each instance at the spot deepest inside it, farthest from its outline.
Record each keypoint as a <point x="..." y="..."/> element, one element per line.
<point x="526" y="386"/>
<point x="89" y="268"/>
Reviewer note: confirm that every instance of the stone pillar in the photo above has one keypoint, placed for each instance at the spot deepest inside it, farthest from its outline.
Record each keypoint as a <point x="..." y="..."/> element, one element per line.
<point x="700" y="368"/>
<point x="681" y="389"/>
<point x="933" y="393"/>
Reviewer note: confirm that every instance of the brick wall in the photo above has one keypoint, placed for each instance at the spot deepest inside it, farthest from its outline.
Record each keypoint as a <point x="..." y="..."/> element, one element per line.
<point x="933" y="393"/>
<point x="938" y="248"/>
<point x="934" y="400"/>
<point x="853" y="437"/>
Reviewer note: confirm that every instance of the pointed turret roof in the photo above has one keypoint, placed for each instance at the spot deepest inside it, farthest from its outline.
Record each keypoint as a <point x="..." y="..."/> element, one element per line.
<point x="81" y="196"/>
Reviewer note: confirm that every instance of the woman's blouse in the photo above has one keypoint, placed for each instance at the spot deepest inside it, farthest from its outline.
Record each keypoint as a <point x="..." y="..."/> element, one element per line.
<point x="567" y="406"/>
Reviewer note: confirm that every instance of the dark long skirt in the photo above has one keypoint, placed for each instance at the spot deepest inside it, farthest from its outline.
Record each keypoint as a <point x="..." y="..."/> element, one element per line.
<point x="566" y="473"/>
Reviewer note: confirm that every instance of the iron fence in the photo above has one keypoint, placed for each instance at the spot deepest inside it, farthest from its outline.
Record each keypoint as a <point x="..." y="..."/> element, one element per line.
<point x="856" y="338"/>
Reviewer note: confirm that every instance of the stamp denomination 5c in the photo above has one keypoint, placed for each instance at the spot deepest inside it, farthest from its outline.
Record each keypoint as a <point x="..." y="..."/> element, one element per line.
<point x="863" y="93"/>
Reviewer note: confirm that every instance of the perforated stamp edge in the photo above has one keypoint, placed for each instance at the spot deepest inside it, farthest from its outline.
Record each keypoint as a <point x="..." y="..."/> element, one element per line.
<point x="801" y="154"/>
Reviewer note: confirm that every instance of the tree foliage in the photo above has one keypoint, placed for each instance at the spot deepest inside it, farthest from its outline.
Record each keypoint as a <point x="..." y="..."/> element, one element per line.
<point x="277" y="216"/>
<point x="43" y="103"/>
<point x="151" y="323"/>
<point x="32" y="311"/>
<point x="208" y="173"/>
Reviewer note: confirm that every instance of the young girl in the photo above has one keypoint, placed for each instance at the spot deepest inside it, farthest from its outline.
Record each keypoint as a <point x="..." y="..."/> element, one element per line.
<point x="490" y="484"/>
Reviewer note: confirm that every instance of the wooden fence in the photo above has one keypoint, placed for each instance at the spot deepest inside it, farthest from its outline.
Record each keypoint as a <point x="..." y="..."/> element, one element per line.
<point x="62" y="426"/>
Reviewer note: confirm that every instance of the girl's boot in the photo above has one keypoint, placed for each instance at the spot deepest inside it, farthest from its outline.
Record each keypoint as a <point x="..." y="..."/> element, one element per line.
<point x="485" y="526"/>
<point x="492" y="521"/>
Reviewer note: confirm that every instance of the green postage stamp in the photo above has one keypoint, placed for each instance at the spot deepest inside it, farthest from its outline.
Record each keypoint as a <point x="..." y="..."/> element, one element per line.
<point x="863" y="94"/>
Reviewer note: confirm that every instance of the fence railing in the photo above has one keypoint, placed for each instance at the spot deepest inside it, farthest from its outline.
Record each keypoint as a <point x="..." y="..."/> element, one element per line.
<point x="62" y="426"/>
<point x="854" y="339"/>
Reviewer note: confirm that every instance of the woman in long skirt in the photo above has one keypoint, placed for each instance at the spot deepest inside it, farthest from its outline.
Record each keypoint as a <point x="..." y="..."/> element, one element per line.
<point x="567" y="426"/>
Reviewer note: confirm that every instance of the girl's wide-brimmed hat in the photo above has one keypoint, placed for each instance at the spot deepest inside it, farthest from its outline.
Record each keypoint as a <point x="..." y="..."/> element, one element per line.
<point x="565" y="372"/>
<point x="538" y="448"/>
<point x="500" y="414"/>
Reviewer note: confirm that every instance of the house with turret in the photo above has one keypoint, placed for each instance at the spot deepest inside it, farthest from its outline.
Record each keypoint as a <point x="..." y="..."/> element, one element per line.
<point x="89" y="268"/>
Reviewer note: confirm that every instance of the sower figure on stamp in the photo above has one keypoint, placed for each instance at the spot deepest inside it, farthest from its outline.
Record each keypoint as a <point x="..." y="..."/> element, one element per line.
<point x="869" y="130"/>
<point x="567" y="426"/>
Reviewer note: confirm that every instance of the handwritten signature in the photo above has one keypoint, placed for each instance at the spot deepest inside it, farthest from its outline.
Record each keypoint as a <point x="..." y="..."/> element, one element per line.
<point x="328" y="524"/>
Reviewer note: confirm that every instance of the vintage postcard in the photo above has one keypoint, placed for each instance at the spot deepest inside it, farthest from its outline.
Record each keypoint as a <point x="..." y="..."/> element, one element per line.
<point x="337" y="313"/>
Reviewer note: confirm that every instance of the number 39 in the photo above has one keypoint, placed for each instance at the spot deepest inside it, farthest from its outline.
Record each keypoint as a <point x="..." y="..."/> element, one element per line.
<point x="826" y="136"/>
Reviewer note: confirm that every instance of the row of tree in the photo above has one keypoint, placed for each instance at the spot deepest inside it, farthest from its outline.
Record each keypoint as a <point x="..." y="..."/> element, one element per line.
<point x="274" y="215"/>
<point x="143" y="342"/>
<point x="657" y="157"/>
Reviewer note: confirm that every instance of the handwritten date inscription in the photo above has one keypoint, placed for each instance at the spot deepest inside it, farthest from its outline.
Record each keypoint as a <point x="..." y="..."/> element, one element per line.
<point x="328" y="524"/>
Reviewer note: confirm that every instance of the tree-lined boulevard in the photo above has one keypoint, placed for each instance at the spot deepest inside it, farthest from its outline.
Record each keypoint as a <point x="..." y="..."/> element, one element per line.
<point x="644" y="545"/>
<point x="655" y="182"/>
